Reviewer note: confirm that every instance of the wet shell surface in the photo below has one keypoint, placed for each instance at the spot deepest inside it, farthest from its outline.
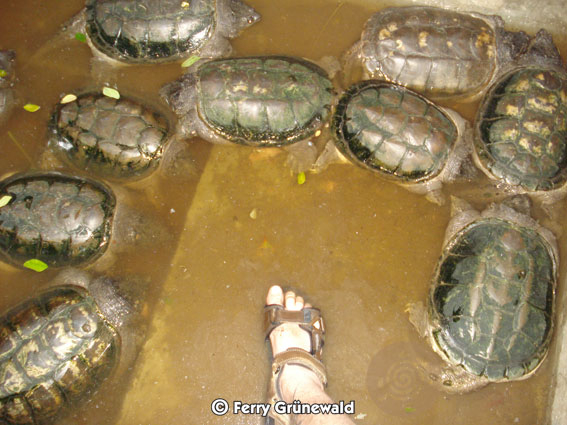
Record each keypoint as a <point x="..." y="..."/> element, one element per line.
<point x="263" y="101"/>
<point x="149" y="30"/>
<point x="437" y="52"/>
<point x="521" y="129"/>
<point x="116" y="138"/>
<point x="58" y="219"/>
<point x="54" y="349"/>
<point x="491" y="302"/>
<point x="394" y="131"/>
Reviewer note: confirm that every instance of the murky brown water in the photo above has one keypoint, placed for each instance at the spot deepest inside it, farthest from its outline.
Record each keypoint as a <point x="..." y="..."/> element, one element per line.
<point x="357" y="247"/>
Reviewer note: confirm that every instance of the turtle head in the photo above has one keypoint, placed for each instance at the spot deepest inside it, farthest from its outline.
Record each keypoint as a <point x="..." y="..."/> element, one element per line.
<point x="240" y="16"/>
<point x="542" y="49"/>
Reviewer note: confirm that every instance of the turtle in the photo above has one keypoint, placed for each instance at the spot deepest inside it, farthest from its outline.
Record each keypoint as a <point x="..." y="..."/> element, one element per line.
<point x="490" y="310"/>
<point x="400" y="135"/>
<point x="149" y="31"/>
<point x="7" y="76"/>
<point x="59" y="346"/>
<point x="115" y="138"/>
<point x="520" y="132"/>
<point x="67" y="220"/>
<point x="259" y="101"/>
<point x="441" y="53"/>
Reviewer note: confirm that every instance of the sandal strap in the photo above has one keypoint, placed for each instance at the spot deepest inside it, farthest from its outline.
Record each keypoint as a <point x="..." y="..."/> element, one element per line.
<point x="299" y="357"/>
<point x="309" y="319"/>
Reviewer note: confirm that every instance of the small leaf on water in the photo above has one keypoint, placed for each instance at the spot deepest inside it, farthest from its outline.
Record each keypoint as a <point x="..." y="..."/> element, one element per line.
<point x="81" y="37"/>
<point x="3" y="73"/>
<point x="409" y="409"/>
<point x="68" y="98"/>
<point x="188" y="62"/>
<point x="4" y="200"/>
<point x="301" y="178"/>
<point x="110" y="92"/>
<point x="30" y="107"/>
<point x="35" y="265"/>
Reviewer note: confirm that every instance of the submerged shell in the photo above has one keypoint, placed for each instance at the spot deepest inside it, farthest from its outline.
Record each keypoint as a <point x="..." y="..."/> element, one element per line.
<point x="263" y="101"/>
<point x="60" y="220"/>
<point x="394" y="131"/>
<point x="116" y="138"/>
<point x="438" y="52"/>
<point x="521" y="129"/>
<point x="492" y="299"/>
<point x="54" y="350"/>
<point x="149" y="30"/>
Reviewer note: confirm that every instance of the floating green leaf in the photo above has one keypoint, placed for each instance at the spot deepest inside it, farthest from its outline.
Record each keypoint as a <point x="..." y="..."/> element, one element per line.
<point x="301" y="178"/>
<point x="409" y="409"/>
<point x="30" y="107"/>
<point x="35" y="265"/>
<point x="4" y="200"/>
<point x="3" y="73"/>
<point x="81" y="37"/>
<point x="188" y="62"/>
<point x="110" y="92"/>
<point x="68" y="98"/>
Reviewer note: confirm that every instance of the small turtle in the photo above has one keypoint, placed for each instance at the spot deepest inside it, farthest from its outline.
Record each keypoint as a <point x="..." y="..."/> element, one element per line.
<point x="65" y="220"/>
<point x="255" y="101"/>
<point x="149" y="31"/>
<point x="437" y="52"/>
<point x="6" y="82"/>
<point x="491" y="304"/>
<point x="400" y="135"/>
<point x="113" y="138"/>
<point x="58" y="347"/>
<point x="521" y="125"/>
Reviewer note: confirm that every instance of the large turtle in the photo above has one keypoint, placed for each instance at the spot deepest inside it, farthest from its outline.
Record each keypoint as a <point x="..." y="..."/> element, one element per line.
<point x="66" y="220"/>
<point x="114" y="138"/>
<point x="58" y="347"/>
<point x="7" y="77"/>
<point x="264" y="101"/>
<point x="521" y="125"/>
<point x="398" y="134"/>
<point x="438" y="52"/>
<point x="490" y="309"/>
<point x="149" y="31"/>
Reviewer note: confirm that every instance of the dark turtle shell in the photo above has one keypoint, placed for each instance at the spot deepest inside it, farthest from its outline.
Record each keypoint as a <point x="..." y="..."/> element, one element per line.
<point x="6" y="81"/>
<point x="263" y="101"/>
<point x="521" y="129"/>
<point x="115" y="138"/>
<point x="492" y="299"/>
<point x="149" y="30"/>
<point x="54" y="350"/>
<point x="392" y="130"/>
<point x="58" y="219"/>
<point x="437" y="52"/>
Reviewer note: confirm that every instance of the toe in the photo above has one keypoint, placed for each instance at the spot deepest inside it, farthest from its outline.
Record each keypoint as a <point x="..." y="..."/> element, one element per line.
<point x="290" y="301"/>
<point x="299" y="302"/>
<point x="275" y="296"/>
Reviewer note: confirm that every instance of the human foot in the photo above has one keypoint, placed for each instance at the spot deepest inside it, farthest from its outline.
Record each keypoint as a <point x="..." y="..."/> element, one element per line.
<point x="288" y="334"/>
<point x="296" y="333"/>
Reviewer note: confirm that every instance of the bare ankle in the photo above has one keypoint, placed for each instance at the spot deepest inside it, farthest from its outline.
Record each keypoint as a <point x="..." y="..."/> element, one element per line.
<point x="297" y="382"/>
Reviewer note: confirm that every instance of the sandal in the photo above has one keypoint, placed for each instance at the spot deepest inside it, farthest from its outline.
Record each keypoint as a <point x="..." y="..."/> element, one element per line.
<point x="310" y="320"/>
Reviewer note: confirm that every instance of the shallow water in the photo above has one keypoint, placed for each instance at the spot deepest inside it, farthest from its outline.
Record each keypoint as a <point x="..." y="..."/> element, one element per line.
<point x="359" y="248"/>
